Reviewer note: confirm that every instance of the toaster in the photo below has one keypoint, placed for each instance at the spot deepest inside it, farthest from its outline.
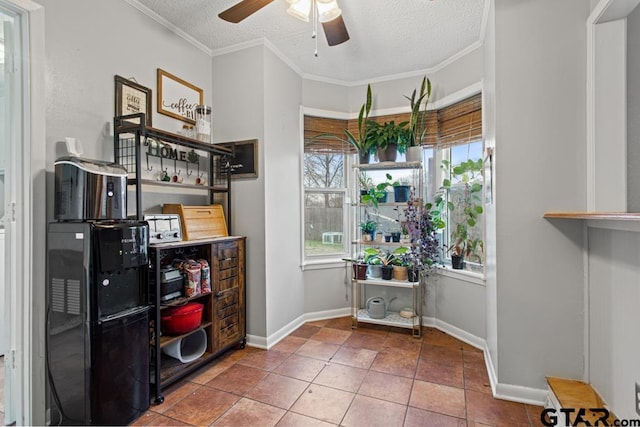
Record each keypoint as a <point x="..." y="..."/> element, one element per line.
<point x="164" y="228"/>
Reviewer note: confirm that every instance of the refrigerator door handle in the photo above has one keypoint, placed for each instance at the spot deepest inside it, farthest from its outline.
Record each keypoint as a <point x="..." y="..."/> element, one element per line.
<point x="125" y="313"/>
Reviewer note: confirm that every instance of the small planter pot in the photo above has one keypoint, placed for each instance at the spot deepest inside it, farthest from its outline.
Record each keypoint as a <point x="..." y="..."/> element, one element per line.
<point x="375" y="271"/>
<point x="400" y="272"/>
<point x="387" y="272"/>
<point x="387" y="238"/>
<point x="383" y="198"/>
<point x="388" y="154"/>
<point x="379" y="237"/>
<point x="395" y="236"/>
<point x="457" y="262"/>
<point x="401" y="193"/>
<point x="363" y="158"/>
<point x="360" y="271"/>
<point x="414" y="154"/>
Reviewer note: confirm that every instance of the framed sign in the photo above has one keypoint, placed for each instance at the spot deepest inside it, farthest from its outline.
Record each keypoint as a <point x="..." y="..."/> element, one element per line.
<point x="132" y="98"/>
<point x="178" y="98"/>
<point x="245" y="162"/>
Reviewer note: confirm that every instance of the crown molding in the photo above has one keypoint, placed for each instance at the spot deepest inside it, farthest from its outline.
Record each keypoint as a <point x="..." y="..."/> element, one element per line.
<point x="151" y="14"/>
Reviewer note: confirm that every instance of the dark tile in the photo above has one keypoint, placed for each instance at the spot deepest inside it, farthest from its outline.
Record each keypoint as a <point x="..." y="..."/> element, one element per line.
<point x="401" y="342"/>
<point x="344" y="323"/>
<point x="436" y="337"/>
<point x="175" y="394"/>
<point x="145" y="419"/>
<point x="421" y="418"/>
<point x="277" y="390"/>
<point x="477" y="380"/>
<point x="396" y="362"/>
<point x="238" y="379"/>
<point x="366" y="340"/>
<point x="300" y="367"/>
<point x="438" y="398"/>
<point x="202" y="407"/>
<point x="483" y="408"/>
<point x="206" y="374"/>
<point x="250" y="413"/>
<point x="387" y="387"/>
<point x="367" y="411"/>
<point x="441" y="354"/>
<point x="305" y="331"/>
<point x="163" y="420"/>
<point x="341" y="377"/>
<point x="439" y="373"/>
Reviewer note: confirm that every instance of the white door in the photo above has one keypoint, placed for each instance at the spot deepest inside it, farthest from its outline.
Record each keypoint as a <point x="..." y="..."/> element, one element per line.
<point x="22" y="118"/>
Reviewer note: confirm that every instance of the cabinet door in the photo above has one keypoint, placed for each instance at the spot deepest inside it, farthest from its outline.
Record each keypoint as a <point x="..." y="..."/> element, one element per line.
<point x="228" y="301"/>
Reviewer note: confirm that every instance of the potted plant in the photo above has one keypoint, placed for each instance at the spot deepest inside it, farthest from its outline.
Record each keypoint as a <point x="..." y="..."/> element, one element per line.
<point x="389" y="259"/>
<point x="422" y="229"/>
<point x="368" y="228"/>
<point x="401" y="263"/>
<point x="388" y="138"/>
<point x="401" y="190"/>
<point x="378" y="193"/>
<point x="417" y="128"/>
<point x="372" y="258"/>
<point x="360" y="141"/>
<point x="359" y="267"/>
<point x="464" y="210"/>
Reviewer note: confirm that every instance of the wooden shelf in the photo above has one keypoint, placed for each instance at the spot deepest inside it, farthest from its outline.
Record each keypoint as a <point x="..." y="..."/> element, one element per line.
<point x="167" y="339"/>
<point x="618" y="216"/>
<point x="391" y="319"/>
<point x="132" y="181"/>
<point x="388" y="165"/>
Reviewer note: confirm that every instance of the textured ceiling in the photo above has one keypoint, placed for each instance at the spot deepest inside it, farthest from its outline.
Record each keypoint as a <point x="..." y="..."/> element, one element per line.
<point x="388" y="37"/>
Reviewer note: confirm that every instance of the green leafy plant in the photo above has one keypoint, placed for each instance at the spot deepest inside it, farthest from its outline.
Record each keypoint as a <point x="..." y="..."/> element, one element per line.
<point x="417" y="128"/>
<point x="378" y="192"/>
<point x="368" y="226"/>
<point x="465" y="211"/>
<point x="391" y="258"/>
<point x="382" y="135"/>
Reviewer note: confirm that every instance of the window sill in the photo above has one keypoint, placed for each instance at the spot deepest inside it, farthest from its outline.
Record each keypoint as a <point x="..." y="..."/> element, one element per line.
<point x="323" y="264"/>
<point x="464" y="275"/>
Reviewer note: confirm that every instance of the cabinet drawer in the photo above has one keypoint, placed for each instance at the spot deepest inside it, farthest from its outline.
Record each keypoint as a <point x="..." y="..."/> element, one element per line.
<point x="226" y="284"/>
<point x="229" y="327"/>
<point x="224" y="312"/>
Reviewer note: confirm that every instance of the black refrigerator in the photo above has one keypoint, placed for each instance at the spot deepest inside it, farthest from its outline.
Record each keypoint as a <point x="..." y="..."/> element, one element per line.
<point x="97" y="321"/>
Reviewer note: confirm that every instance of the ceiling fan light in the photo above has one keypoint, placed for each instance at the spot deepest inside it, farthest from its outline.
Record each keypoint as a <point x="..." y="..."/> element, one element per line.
<point x="300" y="9"/>
<point x="328" y="10"/>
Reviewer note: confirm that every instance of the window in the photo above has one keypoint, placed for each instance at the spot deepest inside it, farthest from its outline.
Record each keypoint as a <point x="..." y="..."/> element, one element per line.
<point x="454" y="173"/>
<point x="326" y="234"/>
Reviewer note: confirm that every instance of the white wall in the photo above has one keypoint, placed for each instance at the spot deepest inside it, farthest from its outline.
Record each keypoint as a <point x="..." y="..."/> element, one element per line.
<point x="88" y="42"/>
<point x="614" y="296"/>
<point x="633" y="111"/>
<point x="285" y="290"/>
<point x="238" y="114"/>
<point x="540" y="144"/>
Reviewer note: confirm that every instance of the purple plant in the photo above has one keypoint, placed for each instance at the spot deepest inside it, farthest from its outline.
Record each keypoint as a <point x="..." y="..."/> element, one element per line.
<point x="422" y="232"/>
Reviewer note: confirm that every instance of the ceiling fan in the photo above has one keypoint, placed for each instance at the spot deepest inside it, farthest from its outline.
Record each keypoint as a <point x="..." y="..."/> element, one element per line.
<point x="329" y="15"/>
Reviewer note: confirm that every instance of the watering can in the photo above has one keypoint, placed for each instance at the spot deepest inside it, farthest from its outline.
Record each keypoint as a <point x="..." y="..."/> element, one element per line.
<point x="377" y="308"/>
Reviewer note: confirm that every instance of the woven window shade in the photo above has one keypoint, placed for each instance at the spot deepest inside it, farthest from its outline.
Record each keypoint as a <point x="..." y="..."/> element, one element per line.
<point x="314" y="126"/>
<point x="459" y="123"/>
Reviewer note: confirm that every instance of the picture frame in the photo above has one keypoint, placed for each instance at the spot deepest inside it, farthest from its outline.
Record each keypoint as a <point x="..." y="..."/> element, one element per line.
<point x="132" y="98"/>
<point x="178" y="98"/>
<point x="244" y="165"/>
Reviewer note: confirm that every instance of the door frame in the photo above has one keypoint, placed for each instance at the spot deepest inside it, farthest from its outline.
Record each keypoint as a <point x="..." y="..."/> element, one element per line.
<point x="25" y="228"/>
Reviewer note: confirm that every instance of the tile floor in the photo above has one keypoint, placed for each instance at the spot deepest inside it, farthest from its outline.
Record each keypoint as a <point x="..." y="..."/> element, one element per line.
<point x="1" y="390"/>
<point x="326" y="373"/>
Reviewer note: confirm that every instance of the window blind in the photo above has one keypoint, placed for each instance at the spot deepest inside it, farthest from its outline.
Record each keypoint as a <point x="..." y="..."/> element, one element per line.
<point x="459" y="123"/>
<point x="314" y="126"/>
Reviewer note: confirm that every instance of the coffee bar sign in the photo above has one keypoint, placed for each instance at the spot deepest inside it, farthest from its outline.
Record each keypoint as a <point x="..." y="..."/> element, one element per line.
<point x="178" y="98"/>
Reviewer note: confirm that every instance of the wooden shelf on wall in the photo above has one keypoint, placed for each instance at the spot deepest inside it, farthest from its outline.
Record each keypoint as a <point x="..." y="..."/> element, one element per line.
<point x="619" y="216"/>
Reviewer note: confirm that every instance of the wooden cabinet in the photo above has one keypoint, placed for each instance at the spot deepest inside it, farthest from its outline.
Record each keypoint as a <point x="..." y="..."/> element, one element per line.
<point x="223" y="316"/>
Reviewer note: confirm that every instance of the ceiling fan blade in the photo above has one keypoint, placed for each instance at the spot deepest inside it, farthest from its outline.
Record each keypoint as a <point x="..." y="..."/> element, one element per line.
<point x="335" y="31"/>
<point x="242" y="10"/>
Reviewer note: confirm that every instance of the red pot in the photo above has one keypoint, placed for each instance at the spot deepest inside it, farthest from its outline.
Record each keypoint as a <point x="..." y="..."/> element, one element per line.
<point x="183" y="319"/>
